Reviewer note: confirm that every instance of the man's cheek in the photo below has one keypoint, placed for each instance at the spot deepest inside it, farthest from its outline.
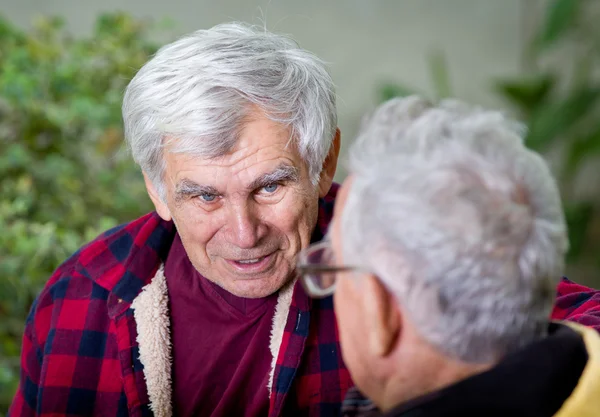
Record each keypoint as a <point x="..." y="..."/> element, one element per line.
<point x="285" y="218"/>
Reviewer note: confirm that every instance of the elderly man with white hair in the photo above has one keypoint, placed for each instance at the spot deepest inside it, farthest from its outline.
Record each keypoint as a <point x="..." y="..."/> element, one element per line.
<point x="447" y="242"/>
<point x="194" y="309"/>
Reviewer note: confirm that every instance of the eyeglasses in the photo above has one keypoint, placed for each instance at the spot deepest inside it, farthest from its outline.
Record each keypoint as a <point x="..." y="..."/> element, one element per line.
<point x="317" y="269"/>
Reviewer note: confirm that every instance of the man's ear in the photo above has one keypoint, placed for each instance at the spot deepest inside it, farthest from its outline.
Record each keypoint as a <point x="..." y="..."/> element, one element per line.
<point x="330" y="165"/>
<point x="161" y="207"/>
<point x="384" y="316"/>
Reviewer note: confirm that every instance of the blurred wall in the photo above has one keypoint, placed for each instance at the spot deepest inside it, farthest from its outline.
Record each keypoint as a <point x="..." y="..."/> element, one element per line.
<point x="366" y="42"/>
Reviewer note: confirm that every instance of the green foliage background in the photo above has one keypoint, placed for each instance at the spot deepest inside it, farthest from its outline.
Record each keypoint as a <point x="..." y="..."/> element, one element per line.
<point x="559" y="100"/>
<point x="64" y="176"/>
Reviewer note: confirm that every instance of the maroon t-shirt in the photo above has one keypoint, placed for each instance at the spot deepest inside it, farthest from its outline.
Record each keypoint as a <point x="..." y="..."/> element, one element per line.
<point x="221" y="357"/>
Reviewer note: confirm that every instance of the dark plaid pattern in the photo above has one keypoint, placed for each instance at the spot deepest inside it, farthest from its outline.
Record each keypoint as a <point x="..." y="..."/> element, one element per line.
<point x="577" y="303"/>
<point x="357" y="405"/>
<point x="326" y="378"/>
<point x="80" y="355"/>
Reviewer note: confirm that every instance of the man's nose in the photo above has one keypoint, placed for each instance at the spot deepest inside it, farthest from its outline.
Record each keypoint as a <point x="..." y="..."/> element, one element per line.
<point x="245" y="228"/>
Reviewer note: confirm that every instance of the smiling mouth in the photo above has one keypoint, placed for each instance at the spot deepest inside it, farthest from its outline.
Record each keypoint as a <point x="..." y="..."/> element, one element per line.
<point x="252" y="266"/>
<point x="251" y="261"/>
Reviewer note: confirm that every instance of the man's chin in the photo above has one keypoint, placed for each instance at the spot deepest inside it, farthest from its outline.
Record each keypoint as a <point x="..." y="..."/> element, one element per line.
<point x="253" y="287"/>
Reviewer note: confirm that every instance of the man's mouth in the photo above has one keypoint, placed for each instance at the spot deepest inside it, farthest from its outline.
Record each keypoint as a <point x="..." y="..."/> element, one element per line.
<point x="252" y="265"/>
<point x="251" y="261"/>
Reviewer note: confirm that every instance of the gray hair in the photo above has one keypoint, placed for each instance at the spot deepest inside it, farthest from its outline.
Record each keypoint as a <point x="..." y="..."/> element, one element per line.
<point x="196" y="93"/>
<point x="460" y="221"/>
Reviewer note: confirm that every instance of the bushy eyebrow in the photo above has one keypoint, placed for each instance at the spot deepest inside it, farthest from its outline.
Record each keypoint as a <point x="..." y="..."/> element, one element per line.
<point x="283" y="173"/>
<point x="186" y="188"/>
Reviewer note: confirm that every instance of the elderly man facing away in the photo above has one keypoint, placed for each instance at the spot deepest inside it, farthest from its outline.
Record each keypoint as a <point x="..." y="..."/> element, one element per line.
<point x="193" y="309"/>
<point x="445" y="248"/>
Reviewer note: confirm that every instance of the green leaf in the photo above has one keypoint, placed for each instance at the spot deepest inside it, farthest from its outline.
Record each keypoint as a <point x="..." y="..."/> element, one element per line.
<point x="388" y="91"/>
<point x="9" y="31"/>
<point x="526" y="93"/>
<point x="580" y="149"/>
<point x="551" y="120"/>
<point x="440" y="75"/>
<point x="578" y="217"/>
<point x="560" y="16"/>
<point x="14" y="156"/>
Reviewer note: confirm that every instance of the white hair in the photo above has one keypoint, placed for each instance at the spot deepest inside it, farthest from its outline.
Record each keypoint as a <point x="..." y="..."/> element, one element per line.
<point x="196" y="93"/>
<point x="460" y="221"/>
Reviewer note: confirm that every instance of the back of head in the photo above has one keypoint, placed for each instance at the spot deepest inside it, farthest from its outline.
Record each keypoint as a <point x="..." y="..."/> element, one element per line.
<point x="196" y="93"/>
<point x="460" y="221"/>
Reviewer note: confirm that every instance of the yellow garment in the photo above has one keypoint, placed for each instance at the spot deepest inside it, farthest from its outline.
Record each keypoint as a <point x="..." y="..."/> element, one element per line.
<point x="584" y="401"/>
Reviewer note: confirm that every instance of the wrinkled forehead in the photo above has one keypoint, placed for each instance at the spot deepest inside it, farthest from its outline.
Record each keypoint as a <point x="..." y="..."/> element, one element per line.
<point x="262" y="147"/>
<point x="250" y="129"/>
<point x="251" y="173"/>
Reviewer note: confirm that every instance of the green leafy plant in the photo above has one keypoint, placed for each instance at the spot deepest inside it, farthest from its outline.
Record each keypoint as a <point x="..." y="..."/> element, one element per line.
<point x="560" y="103"/>
<point x="64" y="175"/>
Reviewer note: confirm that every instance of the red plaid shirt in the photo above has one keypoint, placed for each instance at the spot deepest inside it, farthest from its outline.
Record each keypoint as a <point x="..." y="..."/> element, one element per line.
<point x="80" y="354"/>
<point x="577" y="303"/>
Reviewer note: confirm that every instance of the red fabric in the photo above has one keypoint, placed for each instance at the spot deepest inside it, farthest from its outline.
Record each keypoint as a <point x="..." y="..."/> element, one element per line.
<point x="221" y="357"/>
<point x="577" y="303"/>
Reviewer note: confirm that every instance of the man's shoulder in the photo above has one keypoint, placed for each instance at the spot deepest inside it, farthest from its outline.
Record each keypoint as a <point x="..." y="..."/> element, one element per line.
<point x="135" y="248"/>
<point x="95" y="284"/>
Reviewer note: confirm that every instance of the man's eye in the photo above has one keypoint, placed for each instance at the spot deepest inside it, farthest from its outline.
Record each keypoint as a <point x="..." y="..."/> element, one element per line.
<point x="271" y="188"/>
<point x="208" y="197"/>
